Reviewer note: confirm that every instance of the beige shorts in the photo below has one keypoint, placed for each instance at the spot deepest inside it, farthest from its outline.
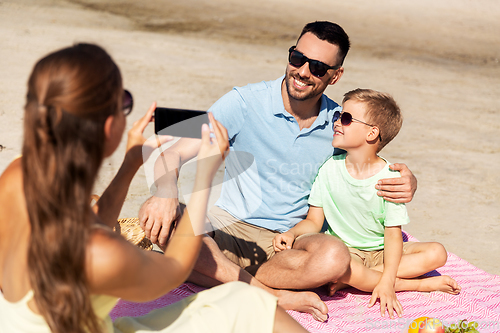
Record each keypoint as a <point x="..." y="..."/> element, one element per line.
<point x="246" y="245"/>
<point x="372" y="258"/>
<point x="231" y="307"/>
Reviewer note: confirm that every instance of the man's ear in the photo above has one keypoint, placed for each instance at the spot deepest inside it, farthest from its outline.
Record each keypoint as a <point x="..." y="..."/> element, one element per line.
<point x="338" y="74"/>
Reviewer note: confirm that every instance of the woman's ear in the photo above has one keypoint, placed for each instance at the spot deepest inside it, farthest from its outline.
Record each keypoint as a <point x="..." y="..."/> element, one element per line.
<point x="108" y="125"/>
<point x="110" y="135"/>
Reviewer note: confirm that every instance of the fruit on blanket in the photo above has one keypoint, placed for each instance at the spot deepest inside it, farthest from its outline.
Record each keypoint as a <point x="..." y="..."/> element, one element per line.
<point x="432" y="325"/>
<point x="426" y="325"/>
<point x="415" y="324"/>
<point x="462" y="327"/>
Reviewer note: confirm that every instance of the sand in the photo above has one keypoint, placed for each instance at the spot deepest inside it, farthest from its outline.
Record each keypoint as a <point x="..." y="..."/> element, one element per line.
<point x="440" y="60"/>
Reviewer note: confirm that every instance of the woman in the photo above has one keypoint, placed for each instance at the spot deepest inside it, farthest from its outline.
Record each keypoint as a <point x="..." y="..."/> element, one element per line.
<point x="62" y="268"/>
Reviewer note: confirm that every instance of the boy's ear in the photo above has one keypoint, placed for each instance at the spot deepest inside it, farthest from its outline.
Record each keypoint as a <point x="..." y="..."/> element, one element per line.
<point x="373" y="134"/>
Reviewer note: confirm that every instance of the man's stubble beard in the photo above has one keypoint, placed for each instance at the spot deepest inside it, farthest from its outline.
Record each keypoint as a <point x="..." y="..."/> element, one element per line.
<point x="291" y="90"/>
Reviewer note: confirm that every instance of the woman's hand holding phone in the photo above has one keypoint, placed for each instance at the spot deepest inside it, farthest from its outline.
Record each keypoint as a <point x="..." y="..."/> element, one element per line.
<point x="138" y="148"/>
<point x="213" y="150"/>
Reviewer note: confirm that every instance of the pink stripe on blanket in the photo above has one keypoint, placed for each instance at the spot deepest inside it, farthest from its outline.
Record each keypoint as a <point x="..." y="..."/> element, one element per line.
<point x="132" y="309"/>
<point x="478" y="301"/>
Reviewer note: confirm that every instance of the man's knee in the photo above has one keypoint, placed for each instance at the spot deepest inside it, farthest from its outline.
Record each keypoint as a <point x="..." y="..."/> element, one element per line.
<point x="337" y="258"/>
<point x="329" y="255"/>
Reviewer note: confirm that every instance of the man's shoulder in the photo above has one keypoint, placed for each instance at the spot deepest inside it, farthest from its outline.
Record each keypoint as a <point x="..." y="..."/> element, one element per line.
<point x="329" y="103"/>
<point x="258" y="86"/>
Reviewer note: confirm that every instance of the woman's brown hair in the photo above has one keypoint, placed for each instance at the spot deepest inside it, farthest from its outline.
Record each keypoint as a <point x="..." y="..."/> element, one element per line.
<point x="71" y="92"/>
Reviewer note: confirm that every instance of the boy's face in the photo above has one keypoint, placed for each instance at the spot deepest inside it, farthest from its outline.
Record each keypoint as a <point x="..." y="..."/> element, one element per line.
<point x="356" y="134"/>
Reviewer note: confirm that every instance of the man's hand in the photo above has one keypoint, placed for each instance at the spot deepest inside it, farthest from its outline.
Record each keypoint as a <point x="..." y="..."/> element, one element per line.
<point x="388" y="299"/>
<point x="283" y="241"/>
<point x="400" y="189"/>
<point x="156" y="217"/>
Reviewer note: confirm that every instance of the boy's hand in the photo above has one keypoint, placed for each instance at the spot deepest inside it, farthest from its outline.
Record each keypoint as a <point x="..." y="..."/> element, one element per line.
<point x="283" y="241"/>
<point x="385" y="291"/>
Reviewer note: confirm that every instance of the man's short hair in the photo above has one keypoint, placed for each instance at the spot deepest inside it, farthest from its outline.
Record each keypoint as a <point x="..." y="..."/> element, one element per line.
<point x="381" y="111"/>
<point x="332" y="33"/>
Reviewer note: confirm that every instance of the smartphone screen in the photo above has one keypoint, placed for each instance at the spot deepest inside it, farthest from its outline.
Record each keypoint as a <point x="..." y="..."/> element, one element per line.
<point x="180" y="122"/>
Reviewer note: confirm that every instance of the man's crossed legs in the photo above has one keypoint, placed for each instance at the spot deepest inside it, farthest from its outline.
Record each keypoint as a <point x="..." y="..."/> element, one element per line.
<point x="239" y="251"/>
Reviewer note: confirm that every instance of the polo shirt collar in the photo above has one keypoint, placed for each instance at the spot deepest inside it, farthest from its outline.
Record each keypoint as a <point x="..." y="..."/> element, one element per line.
<point x="323" y="112"/>
<point x="278" y="105"/>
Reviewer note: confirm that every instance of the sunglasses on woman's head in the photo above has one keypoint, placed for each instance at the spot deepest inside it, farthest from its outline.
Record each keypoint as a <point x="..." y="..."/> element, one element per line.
<point x="346" y="118"/>
<point x="128" y="102"/>
<point x="316" y="67"/>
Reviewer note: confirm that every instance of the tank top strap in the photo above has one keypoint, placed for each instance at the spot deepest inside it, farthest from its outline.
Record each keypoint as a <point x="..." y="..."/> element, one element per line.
<point x="26" y="298"/>
<point x="29" y="295"/>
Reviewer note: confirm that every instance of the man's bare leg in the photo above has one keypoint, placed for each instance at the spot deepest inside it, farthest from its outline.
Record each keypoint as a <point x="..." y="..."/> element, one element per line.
<point x="213" y="268"/>
<point x="313" y="261"/>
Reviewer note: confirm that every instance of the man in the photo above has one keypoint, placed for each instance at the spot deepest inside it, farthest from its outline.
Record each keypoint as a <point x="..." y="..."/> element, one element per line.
<point x="280" y="134"/>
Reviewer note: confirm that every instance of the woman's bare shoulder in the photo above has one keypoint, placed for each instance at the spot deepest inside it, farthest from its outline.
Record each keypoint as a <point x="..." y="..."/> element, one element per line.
<point x="117" y="268"/>
<point x="14" y="228"/>
<point x="106" y="252"/>
<point x="11" y="178"/>
<point x="110" y="259"/>
<point x="12" y="201"/>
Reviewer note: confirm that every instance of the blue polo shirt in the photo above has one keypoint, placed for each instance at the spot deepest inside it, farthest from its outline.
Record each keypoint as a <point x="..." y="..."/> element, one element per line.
<point x="272" y="165"/>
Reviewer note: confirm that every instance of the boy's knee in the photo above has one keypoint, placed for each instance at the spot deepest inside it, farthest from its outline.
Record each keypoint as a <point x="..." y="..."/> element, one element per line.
<point x="438" y="254"/>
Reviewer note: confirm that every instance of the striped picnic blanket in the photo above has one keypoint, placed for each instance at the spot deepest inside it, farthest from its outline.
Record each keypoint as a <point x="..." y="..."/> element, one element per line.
<point x="478" y="301"/>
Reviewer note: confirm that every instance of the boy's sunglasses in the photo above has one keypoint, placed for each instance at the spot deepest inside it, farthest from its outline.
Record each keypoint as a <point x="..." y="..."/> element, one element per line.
<point x="346" y="118"/>
<point x="128" y="102"/>
<point x="316" y="67"/>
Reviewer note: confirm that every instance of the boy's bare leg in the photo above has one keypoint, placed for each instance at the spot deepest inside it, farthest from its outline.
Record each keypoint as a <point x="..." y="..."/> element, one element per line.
<point x="213" y="268"/>
<point x="420" y="258"/>
<point x="366" y="279"/>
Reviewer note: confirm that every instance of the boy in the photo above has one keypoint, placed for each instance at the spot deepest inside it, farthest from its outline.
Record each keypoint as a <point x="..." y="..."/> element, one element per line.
<point x="344" y="193"/>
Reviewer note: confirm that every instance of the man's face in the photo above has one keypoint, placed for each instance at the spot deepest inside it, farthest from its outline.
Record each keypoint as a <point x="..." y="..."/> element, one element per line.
<point x="300" y="83"/>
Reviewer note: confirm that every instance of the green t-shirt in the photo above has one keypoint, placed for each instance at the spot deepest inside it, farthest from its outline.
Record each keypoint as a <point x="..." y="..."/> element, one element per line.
<point x="353" y="210"/>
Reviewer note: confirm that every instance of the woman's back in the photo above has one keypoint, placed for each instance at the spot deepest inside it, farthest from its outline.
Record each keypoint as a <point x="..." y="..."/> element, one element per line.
<point x="18" y="310"/>
<point x="14" y="235"/>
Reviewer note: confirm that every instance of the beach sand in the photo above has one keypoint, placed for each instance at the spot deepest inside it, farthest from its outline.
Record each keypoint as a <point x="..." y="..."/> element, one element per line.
<point x="439" y="59"/>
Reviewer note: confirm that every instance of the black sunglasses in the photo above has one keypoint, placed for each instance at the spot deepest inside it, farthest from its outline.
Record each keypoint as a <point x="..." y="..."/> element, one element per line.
<point x="316" y="67"/>
<point x="128" y="102"/>
<point x="346" y="118"/>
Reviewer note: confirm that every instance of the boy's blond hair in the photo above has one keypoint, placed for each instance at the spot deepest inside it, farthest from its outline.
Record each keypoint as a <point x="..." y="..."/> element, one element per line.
<point x="381" y="111"/>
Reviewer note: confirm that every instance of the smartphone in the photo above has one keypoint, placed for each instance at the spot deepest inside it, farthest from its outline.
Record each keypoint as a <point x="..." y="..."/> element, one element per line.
<point x="180" y="122"/>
